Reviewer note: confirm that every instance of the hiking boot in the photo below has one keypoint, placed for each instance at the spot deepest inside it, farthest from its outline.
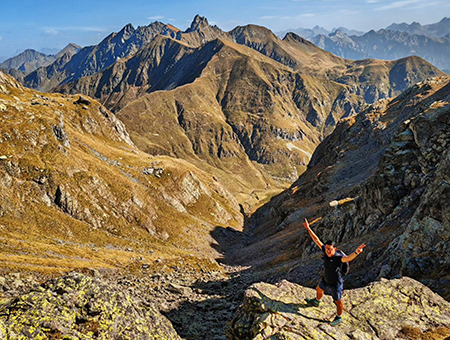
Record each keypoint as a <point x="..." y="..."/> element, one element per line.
<point x="336" y="320"/>
<point x="313" y="302"/>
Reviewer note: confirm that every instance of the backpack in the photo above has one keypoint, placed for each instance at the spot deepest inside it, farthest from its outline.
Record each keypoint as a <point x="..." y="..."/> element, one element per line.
<point x="345" y="266"/>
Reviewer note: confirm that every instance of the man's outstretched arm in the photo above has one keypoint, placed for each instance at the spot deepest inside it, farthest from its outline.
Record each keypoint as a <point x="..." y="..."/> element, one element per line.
<point x="311" y="233"/>
<point x="353" y="255"/>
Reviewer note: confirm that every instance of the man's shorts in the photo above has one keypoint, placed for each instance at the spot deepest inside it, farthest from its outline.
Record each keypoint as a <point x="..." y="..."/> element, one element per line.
<point x="334" y="291"/>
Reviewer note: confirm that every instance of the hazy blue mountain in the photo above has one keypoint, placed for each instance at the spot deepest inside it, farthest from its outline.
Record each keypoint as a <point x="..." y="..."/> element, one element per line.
<point x="347" y="31"/>
<point x="436" y="30"/>
<point x="387" y="45"/>
<point x="340" y="44"/>
<point x="306" y="33"/>
<point x="30" y="60"/>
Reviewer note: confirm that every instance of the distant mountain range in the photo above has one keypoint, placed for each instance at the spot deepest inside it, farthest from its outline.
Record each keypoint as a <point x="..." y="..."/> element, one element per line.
<point x="431" y="42"/>
<point x="30" y="60"/>
<point x="437" y="30"/>
<point x="310" y="33"/>
<point x="387" y="45"/>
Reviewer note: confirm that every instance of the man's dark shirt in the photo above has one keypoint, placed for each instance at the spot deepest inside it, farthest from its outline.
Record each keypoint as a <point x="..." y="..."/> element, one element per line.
<point x="332" y="274"/>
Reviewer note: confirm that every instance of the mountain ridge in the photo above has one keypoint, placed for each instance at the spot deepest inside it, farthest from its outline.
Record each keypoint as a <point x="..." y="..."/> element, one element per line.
<point x="436" y="30"/>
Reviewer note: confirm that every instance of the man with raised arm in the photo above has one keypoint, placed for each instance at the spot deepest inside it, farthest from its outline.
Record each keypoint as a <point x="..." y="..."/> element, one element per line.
<point x="332" y="282"/>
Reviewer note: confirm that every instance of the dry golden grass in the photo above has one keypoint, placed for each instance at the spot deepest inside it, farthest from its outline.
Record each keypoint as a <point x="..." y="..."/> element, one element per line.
<point x="113" y="214"/>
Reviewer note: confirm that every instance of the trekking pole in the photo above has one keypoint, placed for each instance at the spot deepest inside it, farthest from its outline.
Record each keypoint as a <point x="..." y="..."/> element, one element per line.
<point x="315" y="221"/>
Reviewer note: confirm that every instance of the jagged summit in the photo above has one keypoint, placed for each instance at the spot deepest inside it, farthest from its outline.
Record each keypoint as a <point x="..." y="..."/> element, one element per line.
<point x="338" y="33"/>
<point x="126" y="31"/>
<point x="198" y="23"/>
<point x="70" y="49"/>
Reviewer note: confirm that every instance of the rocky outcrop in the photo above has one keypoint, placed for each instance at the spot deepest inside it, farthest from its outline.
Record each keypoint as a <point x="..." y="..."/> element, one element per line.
<point x="395" y="309"/>
<point x="81" y="307"/>
<point x="8" y="82"/>
<point x="198" y="300"/>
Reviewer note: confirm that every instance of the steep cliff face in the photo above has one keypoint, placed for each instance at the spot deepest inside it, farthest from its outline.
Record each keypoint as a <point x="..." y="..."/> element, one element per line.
<point x="386" y="168"/>
<point x="396" y="309"/>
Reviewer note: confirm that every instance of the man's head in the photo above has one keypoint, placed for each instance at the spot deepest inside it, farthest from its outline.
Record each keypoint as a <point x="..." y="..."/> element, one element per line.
<point x="330" y="248"/>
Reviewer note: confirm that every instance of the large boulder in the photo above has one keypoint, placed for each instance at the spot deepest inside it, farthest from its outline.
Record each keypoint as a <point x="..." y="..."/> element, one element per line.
<point x="386" y="309"/>
<point x="77" y="306"/>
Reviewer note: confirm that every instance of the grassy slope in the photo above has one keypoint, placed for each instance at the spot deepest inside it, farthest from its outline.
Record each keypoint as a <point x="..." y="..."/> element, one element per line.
<point x="111" y="212"/>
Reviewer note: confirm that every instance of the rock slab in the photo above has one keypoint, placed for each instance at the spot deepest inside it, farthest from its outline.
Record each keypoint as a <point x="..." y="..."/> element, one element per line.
<point x="76" y="306"/>
<point x="387" y="309"/>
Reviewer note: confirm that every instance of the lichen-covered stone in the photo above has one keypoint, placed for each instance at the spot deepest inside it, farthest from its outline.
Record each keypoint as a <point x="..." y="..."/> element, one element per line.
<point x="80" y="307"/>
<point x="382" y="310"/>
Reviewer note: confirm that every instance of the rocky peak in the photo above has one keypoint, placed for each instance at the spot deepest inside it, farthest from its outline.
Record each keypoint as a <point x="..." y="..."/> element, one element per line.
<point x="70" y="49"/>
<point x="128" y="28"/>
<point x="27" y="61"/>
<point x="252" y="33"/>
<point x="338" y="33"/>
<point x="198" y="24"/>
<point x="341" y="38"/>
<point x="127" y="31"/>
<point x="292" y="37"/>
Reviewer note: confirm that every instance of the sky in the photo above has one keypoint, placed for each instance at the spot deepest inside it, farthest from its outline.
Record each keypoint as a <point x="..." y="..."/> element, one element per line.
<point x="50" y="25"/>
